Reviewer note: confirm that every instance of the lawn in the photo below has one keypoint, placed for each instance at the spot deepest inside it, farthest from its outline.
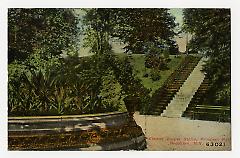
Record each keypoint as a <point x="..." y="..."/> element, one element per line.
<point x="138" y="61"/>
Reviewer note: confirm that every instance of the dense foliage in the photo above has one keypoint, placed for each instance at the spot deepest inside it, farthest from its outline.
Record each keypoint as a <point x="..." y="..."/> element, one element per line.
<point x="100" y="28"/>
<point x="156" y="58"/>
<point x="71" y="86"/>
<point x="49" y="30"/>
<point x="43" y="83"/>
<point x="137" y="27"/>
<point x="147" y="31"/>
<point x="211" y="29"/>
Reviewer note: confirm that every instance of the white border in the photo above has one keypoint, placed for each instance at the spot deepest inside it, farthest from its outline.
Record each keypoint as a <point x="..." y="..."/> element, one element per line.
<point x="119" y="3"/>
<point x="233" y="4"/>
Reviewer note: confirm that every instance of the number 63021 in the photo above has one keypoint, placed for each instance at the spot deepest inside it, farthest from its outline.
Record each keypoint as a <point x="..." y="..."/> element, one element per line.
<point x="215" y="144"/>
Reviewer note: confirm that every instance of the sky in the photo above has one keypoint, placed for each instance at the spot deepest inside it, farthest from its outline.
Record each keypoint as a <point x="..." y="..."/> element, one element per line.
<point x="178" y="13"/>
<point x="181" y="41"/>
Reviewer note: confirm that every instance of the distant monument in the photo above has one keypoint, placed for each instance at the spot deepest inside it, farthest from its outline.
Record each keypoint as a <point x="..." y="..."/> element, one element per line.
<point x="182" y="41"/>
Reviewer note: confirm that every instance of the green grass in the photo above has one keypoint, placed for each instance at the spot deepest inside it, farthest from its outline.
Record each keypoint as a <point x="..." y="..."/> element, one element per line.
<point x="138" y="61"/>
<point x="139" y="67"/>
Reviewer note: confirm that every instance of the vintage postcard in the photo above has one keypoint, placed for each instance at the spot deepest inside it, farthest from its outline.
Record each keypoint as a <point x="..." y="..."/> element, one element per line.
<point x="111" y="79"/>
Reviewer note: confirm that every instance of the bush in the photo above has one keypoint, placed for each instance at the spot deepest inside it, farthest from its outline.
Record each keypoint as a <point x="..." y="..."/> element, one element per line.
<point x="111" y="95"/>
<point x="155" y="75"/>
<point x="74" y="85"/>
<point x="219" y="95"/>
<point x="168" y="60"/>
<point x="145" y="74"/>
<point x="71" y="88"/>
<point x="155" y="61"/>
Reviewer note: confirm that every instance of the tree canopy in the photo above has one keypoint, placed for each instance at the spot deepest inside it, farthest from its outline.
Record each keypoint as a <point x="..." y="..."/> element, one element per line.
<point x="138" y="26"/>
<point x="48" y="29"/>
<point x="134" y="26"/>
<point x="211" y="30"/>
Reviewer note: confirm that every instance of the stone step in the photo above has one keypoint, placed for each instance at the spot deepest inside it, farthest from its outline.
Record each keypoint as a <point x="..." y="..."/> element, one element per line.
<point x="155" y="113"/>
<point x="175" y="82"/>
<point x="171" y="115"/>
<point x="186" y="92"/>
<point x="173" y="111"/>
<point x="159" y="108"/>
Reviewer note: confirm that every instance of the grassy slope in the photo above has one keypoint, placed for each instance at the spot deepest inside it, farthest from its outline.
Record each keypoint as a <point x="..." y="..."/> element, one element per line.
<point x="139" y="70"/>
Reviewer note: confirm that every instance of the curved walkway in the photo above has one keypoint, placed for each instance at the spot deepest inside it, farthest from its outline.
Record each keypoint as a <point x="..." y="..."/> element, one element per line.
<point x="164" y="133"/>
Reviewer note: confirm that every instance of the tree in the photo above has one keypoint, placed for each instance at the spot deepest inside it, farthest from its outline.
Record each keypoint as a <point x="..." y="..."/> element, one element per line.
<point x="98" y="27"/>
<point x="36" y="38"/>
<point x="138" y="26"/>
<point x="143" y="30"/>
<point x="134" y="26"/>
<point x="48" y="30"/>
<point x="211" y="29"/>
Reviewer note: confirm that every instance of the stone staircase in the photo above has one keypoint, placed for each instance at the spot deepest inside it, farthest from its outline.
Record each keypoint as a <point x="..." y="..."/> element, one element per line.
<point x="199" y="109"/>
<point x="162" y="97"/>
<point x="198" y="98"/>
<point x="186" y="92"/>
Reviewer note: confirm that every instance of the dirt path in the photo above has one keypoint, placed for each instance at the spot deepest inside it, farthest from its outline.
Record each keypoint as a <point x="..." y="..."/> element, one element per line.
<point x="183" y="134"/>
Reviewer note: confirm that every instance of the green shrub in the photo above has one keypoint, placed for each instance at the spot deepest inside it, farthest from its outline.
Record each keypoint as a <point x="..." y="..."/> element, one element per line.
<point x="145" y="74"/>
<point x="112" y="98"/>
<point x="155" y="75"/>
<point x="155" y="61"/>
<point x="73" y="86"/>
